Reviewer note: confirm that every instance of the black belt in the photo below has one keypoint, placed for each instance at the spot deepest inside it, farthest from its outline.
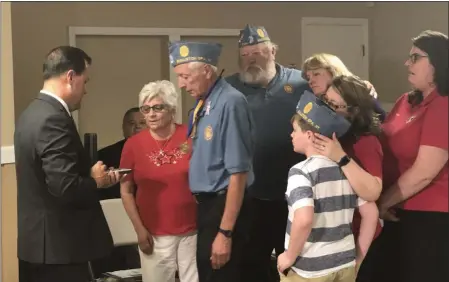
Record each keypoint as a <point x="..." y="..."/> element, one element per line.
<point x="203" y="196"/>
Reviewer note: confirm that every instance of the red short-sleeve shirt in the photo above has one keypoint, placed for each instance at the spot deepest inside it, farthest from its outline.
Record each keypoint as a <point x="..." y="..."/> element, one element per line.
<point x="405" y="129"/>
<point x="368" y="154"/>
<point x="165" y="203"/>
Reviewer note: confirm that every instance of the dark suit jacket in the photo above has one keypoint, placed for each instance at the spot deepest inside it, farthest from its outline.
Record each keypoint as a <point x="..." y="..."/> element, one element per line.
<point x="60" y="220"/>
<point x="110" y="156"/>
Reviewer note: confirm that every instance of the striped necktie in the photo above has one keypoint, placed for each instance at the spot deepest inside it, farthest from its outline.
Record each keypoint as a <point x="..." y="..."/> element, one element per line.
<point x="195" y="116"/>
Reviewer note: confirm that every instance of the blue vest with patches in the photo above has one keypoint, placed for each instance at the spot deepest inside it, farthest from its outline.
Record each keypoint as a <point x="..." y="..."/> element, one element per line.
<point x="272" y="109"/>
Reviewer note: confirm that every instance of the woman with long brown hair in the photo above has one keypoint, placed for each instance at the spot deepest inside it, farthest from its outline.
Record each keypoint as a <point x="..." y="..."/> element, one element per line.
<point x="350" y="97"/>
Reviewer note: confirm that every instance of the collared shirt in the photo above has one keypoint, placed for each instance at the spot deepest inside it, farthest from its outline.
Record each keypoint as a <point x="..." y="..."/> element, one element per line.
<point x="64" y="104"/>
<point x="223" y="143"/>
<point x="272" y="108"/>
<point x="405" y="129"/>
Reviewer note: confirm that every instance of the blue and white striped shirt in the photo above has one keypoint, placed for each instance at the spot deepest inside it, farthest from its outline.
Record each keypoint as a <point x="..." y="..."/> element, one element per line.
<point x="319" y="182"/>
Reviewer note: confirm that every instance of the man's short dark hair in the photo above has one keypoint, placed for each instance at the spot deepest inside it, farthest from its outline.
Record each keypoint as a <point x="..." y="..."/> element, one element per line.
<point x="130" y="111"/>
<point x="64" y="58"/>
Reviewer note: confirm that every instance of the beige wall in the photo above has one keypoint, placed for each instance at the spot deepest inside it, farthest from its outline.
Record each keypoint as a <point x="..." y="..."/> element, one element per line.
<point x="32" y="41"/>
<point x="116" y="91"/>
<point x="8" y="174"/>
<point x="391" y="27"/>
<point x="7" y="110"/>
<point x="391" y="30"/>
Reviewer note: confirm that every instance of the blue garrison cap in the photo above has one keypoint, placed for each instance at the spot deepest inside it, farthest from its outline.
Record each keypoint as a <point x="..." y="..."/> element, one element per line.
<point x="319" y="115"/>
<point x="252" y="35"/>
<point x="182" y="52"/>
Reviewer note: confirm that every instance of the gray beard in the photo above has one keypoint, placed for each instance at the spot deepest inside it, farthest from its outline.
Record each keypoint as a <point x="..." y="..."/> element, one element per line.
<point x="259" y="77"/>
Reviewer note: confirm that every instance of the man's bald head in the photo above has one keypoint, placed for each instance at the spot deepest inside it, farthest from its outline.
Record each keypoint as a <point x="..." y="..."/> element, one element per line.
<point x="133" y="122"/>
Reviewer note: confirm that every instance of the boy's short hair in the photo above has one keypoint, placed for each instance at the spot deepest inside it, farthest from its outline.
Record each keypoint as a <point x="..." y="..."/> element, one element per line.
<point x="304" y="125"/>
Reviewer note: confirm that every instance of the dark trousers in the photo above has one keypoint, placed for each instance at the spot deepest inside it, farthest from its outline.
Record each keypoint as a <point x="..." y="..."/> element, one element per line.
<point x="381" y="257"/>
<point x="32" y="272"/>
<point x="210" y="211"/>
<point x="413" y="250"/>
<point x="267" y="232"/>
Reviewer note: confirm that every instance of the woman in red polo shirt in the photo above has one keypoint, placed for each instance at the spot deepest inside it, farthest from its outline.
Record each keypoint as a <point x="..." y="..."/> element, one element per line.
<point x="416" y="169"/>
<point x="156" y="194"/>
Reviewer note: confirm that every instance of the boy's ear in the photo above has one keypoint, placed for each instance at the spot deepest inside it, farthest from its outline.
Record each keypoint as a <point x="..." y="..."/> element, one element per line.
<point x="309" y="135"/>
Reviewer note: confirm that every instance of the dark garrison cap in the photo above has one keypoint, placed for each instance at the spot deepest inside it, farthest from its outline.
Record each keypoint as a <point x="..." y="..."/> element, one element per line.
<point x="252" y="35"/>
<point x="182" y="52"/>
<point x="319" y="115"/>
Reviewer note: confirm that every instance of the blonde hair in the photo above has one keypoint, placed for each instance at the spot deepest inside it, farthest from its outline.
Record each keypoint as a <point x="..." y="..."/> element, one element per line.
<point x="329" y="62"/>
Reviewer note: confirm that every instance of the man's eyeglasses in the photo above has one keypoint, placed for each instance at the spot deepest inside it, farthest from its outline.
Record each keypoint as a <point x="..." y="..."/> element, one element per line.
<point x="415" y="57"/>
<point x="145" y="109"/>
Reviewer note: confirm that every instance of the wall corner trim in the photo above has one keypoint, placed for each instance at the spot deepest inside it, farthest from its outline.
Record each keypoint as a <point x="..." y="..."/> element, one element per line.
<point x="7" y="155"/>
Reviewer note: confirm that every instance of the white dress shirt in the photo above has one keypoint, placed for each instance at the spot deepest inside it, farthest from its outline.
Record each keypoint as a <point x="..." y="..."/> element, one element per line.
<point x="64" y="104"/>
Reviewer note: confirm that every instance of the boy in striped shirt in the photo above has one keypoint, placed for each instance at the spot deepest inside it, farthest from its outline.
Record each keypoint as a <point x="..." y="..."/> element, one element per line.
<point x="319" y="242"/>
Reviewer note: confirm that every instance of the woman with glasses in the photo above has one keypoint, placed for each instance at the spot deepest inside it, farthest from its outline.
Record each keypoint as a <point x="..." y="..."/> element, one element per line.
<point x="365" y="170"/>
<point x="320" y="70"/>
<point x="358" y="153"/>
<point x="415" y="141"/>
<point x="156" y="194"/>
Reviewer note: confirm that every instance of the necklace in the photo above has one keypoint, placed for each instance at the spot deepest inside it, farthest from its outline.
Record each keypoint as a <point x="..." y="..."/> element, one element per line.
<point x="161" y="156"/>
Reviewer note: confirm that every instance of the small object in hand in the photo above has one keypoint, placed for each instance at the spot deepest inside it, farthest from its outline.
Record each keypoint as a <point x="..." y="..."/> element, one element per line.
<point x="121" y="170"/>
<point x="286" y="271"/>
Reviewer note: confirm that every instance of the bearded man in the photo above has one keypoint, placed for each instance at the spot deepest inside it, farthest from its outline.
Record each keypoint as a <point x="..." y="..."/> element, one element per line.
<point x="272" y="91"/>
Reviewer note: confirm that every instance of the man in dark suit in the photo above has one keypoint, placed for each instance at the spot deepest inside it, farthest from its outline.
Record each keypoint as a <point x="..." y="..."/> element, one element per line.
<point x="61" y="225"/>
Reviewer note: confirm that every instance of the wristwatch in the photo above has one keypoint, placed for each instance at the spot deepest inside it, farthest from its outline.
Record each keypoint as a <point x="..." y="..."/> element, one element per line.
<point x="344" y="161"/>
<point x="226" y="233"/>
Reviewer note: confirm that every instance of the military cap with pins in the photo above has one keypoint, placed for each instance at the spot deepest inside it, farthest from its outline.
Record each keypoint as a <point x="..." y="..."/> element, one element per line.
<point x="319" y="115"/>
<point x="182" y="52"/>
<point x="252" y="35"/>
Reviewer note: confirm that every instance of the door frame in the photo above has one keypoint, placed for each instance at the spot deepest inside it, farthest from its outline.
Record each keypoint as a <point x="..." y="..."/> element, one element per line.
<point x="173" y="34"/>
<point x="339" y="21"/>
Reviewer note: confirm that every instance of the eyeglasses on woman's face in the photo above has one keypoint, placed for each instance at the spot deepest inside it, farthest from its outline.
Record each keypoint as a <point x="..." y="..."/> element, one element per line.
<point x="158" y="108"/>
<point x="414" y="57"/>
<point x="334" y="105"/>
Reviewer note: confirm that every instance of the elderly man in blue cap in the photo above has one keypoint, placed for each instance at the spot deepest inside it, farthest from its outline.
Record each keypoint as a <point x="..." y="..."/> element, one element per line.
<point x="273" y="91"/>
<point x="220" y="166"/>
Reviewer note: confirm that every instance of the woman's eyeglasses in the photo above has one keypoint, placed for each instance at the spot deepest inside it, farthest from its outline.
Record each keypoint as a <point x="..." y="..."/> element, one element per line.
<point x="145" y="109"/>
<point x="415" y="57"/>
<point x="331" y="104"/>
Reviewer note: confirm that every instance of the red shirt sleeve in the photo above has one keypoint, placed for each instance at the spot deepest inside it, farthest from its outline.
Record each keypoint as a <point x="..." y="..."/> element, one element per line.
<point x="435" y="124"/>
<point x="368" y="152"/>
<point x="127" y="158"/>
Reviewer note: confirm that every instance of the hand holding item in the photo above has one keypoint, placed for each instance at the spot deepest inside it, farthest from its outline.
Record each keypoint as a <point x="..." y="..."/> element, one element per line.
<point x="105" y="178"/>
